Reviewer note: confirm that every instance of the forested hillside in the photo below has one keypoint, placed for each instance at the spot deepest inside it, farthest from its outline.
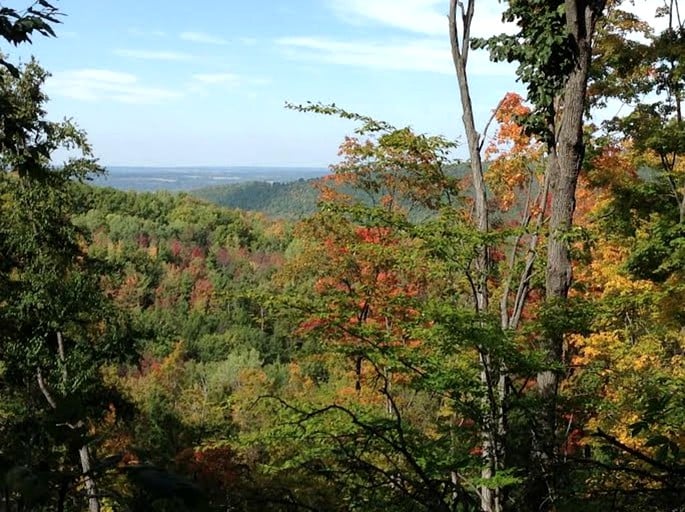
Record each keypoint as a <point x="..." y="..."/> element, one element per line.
<point x="407" y="335"/>
<point x="292" y="200"/>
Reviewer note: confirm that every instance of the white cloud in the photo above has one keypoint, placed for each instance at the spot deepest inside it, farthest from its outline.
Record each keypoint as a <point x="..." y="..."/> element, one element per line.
<point x="421" y="16"/>
<point x="424" y="54"/>
<point x="202" y="37"/>
<point x="153" y="55"/>
<point x="106" y="85"/>
<point x="422" y="42"/>
<point x="427" y="17"/>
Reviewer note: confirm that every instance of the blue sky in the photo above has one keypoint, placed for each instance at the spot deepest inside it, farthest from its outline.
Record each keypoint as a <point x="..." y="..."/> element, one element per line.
<point x="204" y="82"/>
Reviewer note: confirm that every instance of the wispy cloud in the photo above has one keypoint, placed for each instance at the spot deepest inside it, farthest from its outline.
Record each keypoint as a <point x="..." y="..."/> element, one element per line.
<point x="426" y="17"/>
<point x="202" y="37"/>
<point x="414" y="55"/>
<point x="424" y="54"/>
<point x="421" y="43"/>
<point x="103" y="84"/>
<point x="420" y="16"/>
<point x="153" y="55"/>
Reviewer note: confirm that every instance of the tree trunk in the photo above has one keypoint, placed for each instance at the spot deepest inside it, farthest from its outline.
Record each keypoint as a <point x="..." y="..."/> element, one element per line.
<point x="492" y="375"/>
<point x="565" y="160"/>
<point x="91" y="489"/>
<point x="84" y="455"/>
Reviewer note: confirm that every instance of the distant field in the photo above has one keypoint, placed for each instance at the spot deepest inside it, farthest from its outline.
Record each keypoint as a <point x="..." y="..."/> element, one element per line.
<point x="191" y="178"/>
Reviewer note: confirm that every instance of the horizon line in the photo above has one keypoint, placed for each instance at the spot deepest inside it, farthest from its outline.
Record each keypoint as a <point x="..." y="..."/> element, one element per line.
<point x="192" y="166"/>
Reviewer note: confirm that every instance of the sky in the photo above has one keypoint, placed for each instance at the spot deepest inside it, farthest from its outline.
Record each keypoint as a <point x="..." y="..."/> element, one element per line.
<point x="204" y="82"/>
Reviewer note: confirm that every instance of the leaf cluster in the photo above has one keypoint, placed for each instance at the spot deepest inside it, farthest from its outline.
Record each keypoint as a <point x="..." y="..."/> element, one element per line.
<point x="17" y="27"/>
<point x="545" y="52"/>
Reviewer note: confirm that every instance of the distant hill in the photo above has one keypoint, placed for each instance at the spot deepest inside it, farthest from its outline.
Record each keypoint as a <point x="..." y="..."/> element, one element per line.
<point x="292" y="200"/>
<point x="287" y="200"/>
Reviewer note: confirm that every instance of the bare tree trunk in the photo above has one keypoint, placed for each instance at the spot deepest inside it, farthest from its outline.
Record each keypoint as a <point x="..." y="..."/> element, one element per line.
<point x="84" y="455"/>
<point x="492" y="374"/>
<point x="91" y="489"/>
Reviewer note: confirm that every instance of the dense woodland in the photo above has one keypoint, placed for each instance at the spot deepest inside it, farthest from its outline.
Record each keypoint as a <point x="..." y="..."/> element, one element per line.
<point x="506" y="338"/>
<point x="290" y="200"/>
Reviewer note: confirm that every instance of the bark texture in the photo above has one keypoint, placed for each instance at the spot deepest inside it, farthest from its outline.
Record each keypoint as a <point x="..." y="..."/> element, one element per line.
<point x="564" y="165"/>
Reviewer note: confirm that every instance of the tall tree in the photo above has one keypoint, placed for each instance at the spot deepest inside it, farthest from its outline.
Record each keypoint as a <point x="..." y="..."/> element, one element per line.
<point x="492" y="371"/>
<point x="57" y="328"/>
<point x="553" y="46"/>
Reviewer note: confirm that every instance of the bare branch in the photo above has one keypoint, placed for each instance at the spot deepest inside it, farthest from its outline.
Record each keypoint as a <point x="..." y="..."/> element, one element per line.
<point x="487" y="125"/>
<point x="44" y="389"/>
<point x="62" y="359"/>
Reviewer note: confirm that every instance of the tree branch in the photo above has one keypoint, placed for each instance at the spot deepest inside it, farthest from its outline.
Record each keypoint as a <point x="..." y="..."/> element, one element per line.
<point x="44" y="389"/>
<point x="680" y="470"/>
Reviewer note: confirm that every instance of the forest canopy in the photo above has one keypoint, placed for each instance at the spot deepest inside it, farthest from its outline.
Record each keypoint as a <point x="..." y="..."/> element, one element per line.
<point x="504" y="333"/>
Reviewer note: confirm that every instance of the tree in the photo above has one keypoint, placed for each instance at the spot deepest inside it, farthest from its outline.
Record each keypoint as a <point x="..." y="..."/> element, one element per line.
<point x="624" y="392"/>
<point x="653" y="86"/>
<point x="554" y="49"/>
<point x="392" y="254"/>
<point x="628" y="360"/>
<point x="57" y="326"/>
<point x="492" y="371"/>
